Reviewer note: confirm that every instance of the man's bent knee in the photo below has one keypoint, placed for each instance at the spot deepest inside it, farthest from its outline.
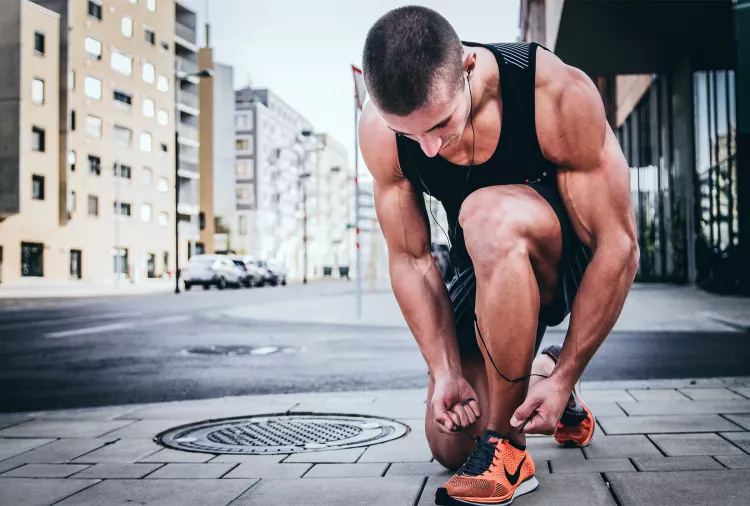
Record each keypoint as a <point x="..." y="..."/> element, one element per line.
<point x="449" y="451"/>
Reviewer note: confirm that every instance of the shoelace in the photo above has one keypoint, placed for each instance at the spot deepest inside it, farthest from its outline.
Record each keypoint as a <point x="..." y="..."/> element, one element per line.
<point x="481" y="460"/>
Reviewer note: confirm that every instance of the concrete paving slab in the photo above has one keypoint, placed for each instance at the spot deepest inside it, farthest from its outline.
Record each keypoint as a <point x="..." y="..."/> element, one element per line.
<point x="348" y="456"/>
<point x="674" y="445"/>
<point x="146" y="428"/>
<point x="64" y="428"/>
<point x="741" y="420"/>
<point x="657" y="395"/>
<point x="60" y="451"/>
<point x="346" y="471"/>
<point x="735" y="461"/>
<point x="7" y="466"/>
<point x="279" y="471"/>
<point x="695" y="463"/>
<point x="741" y="439"/>
<point x="389" y="409"/>
<point x="192" y="471"/>
<point x="609" y="447"/>
<point x="9" y="420"/>
<point x="169" y="456"/>
<point x="39" y="492"/>
<point x="685" y="408"/>
<point x="123" y="451"/>
<point x="590" y="466"/>
<point x="393" y="491"/>
<point x="546" y="448"/>
<point x="605" y="395"/>
<point x="412" y="448"/>
<point x="710" y="394"/>
<point x="259" y="459"/>
<point x="208" y="411"/>
<point x="679" y="487"/>
<point x="12" y="447"/>
<point x="100" y="413"/>
<point x="44" y="471"/>
<point x="419" y="469"/>
<point x="603" y="408"/>
<point x="613" y="425"/>
<point x="118" y="471"/>
<point x="743" y="391"/>
<point x="160" y="492"/>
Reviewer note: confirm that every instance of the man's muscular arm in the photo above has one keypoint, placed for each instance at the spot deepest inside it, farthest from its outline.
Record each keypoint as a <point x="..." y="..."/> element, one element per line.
<point x="416" y="280"/>
<point x="594" y="181"/>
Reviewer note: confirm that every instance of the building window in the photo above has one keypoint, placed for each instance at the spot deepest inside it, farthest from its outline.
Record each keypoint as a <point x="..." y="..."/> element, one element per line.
<point x="93" y="48"/>
<point x="242" y="145"/>
<point x="39" y="43"/>
<point x="146" y="212"/>
<point x="71" y="79"/>
<point x="150" y="36"/>
<point x="242" y="225"/>
<point x="71" y="204"/>
<point x="37" y="139"/>
<point x="37" y="187"/>
<point x="146" y="142"/>
<point x="163" y="117"/>
<point x="95" y="165"/>
<point x="127" y="27"/>
<point x="72" y="121"/>
<point x="122" y="171"/>
<point x="121" y="261"/>
<point x="163" y="147"/>
<point x="122" y="209"/>
<point x="148" y="72"/>
<point x="37" y="91"/>
<point x="92" y="87"/>
<point x="164" y="221"/>
<point x="122" y="63"/>
<point x="147" y="176"/>
<point x="75" y="264"/>
<point x="164" y="46"/>
<point x="245" y="169"/>
<point x="72" y="160"/>
<point x="151" y="5"/>
<point x="93" y="205"/>
<point x="123" y="136"/>
<point x="32" y="259"/>
<point x="93" y="126"/>
<point x="95" y="9"/>
<point x="163" y="185"/>
<point x="162" y="83"/>
<point x="148" y="107"/>
<point x="123" y="98"/>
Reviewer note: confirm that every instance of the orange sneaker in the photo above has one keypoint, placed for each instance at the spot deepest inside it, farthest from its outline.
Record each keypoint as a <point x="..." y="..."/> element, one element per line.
<point x="496" y="473"/>
<point x="577" y="424"/>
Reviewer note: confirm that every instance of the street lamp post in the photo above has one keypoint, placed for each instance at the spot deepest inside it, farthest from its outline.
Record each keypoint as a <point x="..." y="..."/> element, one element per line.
<point x="179" y="77"/>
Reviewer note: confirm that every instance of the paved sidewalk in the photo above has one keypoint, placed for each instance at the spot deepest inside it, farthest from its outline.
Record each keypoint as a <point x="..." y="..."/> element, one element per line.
<point x="649" y="307"/>
<point x="44" y="289"/>
<point x="662" y="442"/>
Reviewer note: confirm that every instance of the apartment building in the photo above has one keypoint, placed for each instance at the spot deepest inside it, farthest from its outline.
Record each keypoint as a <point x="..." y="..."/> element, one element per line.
<point x="103" y="69"/>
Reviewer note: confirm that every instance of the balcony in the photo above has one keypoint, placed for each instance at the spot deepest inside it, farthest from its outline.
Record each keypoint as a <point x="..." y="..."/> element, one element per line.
<point x="186" y="166"/>
<point x="187" y="98"/>
<point x="187" y="132"/>
<point x="185" y="65"/>
<point x="189" y="154"/>
<point x="185" y="32"/>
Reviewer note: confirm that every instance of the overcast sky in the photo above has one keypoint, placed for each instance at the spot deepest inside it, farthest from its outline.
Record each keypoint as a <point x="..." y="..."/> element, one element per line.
<point x="302" y="49"/>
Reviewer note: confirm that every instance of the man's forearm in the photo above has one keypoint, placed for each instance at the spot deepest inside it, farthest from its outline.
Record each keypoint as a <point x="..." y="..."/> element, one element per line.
<point x="601" y="296"/>
<point x="425" y="304"/>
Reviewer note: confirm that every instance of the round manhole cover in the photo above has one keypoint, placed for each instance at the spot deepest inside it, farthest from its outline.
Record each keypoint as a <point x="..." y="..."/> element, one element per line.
<point x="262" y="435"/>
<point x="231" y="351"/>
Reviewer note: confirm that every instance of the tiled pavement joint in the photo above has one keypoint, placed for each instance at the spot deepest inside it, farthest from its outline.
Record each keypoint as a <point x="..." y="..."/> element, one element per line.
<point x="720" y="462"/>
<point x="611" y="489"/>
<point x="385" y="471"/>
<point x="725" y="417"/>
<point x="421" y="490"/>
<point x="648" y="436"/>
<point x="722" y="436"/>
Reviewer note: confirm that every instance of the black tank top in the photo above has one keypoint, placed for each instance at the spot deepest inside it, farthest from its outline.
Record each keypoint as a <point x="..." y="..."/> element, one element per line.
<point x="517" y="158"/>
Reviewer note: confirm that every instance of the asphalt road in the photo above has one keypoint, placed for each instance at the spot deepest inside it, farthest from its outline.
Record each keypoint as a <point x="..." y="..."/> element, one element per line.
<point x="138" y="349"/>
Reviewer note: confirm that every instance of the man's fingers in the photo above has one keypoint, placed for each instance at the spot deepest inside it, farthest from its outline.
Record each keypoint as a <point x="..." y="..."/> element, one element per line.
<point x="456" y="421"/>
<point x="538" y="425"/>
<point x="524" y="412"/>
<point x="463" y="417"/>
<point x="474" y="405"/>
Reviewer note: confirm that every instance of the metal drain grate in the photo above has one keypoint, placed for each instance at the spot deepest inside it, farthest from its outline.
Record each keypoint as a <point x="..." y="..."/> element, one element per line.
<point x="262" y="435"/>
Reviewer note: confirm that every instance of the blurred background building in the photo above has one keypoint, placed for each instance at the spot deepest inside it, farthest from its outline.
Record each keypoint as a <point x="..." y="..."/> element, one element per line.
<point x="675" y="80"/>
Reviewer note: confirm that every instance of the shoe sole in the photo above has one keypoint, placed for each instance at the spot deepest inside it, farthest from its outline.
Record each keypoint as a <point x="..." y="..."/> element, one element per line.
<point x="571" y="444"/>
<point x="529" y="485"/>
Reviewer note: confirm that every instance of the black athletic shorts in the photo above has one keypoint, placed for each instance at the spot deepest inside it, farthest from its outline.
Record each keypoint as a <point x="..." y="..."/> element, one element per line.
<point x="575" y="259"/>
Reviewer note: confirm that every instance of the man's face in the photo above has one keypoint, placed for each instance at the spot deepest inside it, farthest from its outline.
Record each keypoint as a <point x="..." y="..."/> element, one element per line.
<point x="438" y="125"/>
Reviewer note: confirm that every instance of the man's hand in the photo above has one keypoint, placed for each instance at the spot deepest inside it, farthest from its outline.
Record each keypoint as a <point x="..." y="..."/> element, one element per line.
<point x="450" y="408"/>
<point x="542" y="408"/>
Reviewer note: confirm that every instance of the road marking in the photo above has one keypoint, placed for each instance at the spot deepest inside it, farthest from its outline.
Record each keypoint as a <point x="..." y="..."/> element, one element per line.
<point x="117" y="326"/>
<point x="88" y="330"/>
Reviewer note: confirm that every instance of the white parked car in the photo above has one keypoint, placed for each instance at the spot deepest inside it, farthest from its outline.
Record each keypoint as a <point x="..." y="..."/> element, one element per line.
<point x="211" y="270"/>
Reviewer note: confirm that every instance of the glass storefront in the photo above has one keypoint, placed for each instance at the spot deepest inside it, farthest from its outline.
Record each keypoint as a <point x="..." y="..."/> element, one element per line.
<point x="717" y="227"/>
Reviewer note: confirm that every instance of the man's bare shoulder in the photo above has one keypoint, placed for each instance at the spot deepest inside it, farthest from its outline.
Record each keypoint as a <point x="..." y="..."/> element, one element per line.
<point x="378" y="145"/>
<point x="570" y="119"/>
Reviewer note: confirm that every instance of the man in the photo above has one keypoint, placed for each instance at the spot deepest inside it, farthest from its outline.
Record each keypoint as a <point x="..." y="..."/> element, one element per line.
<point x="516" y="146"/>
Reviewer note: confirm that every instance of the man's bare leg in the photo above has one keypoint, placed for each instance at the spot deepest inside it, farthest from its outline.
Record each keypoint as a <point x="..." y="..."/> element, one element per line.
<point x="513" y="237"/>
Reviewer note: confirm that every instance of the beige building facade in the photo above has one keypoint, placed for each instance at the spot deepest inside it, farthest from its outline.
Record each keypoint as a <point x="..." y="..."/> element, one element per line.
<point x="108" y="121"/>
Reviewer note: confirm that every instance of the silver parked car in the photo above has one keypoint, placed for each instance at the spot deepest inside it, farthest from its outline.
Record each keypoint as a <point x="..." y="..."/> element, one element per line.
<point x="211" y="270"/>
<point x="251" y="275"/>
